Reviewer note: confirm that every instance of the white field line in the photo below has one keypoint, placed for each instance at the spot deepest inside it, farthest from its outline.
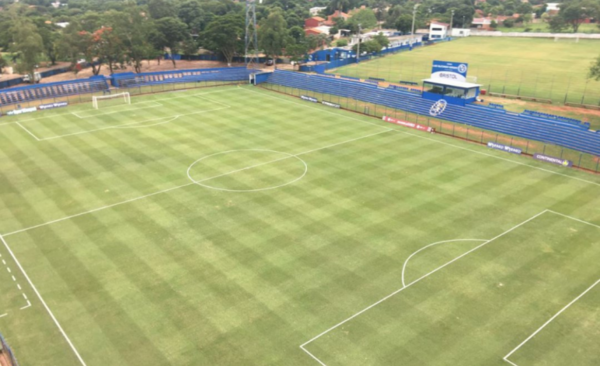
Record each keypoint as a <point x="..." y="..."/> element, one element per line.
<point x="64" y="334"/>
<point x="174" y="188"/>
<point x="16" y="283"/>
<point x="133" y="96"/>
<point x="153" y="105"/>
<point x="561" y="310"/>
<point x="3" y="315"/>
<point x="431" y="245"/>
<point x="29" y="132"/>
<point x="422" y="136"/>
<point x="548" y="322"/>
<point x="411" y="284"/>
<point x="133" y="124"/>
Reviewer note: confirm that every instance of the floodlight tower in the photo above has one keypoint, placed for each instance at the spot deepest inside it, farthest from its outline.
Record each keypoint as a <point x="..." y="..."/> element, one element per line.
<point x="251" y="38"/>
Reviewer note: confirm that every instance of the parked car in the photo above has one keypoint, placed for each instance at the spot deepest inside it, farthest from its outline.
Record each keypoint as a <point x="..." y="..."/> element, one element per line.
<point x="269" y="62"/>
<point x="36" y="79"/>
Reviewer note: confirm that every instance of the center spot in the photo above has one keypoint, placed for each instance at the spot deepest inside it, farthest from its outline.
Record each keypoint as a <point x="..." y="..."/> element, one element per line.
<point x="248" y="170"/>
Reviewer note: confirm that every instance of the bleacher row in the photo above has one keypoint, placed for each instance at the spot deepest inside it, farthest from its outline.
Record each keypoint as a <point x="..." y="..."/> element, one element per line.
<point x="100" y="83"/>
<point x="535" y="128"/>
<point x="130" y="80"/>
<point x="50" y="91"/>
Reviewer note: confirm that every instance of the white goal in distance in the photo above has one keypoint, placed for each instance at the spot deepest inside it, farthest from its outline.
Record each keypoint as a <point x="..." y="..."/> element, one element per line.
<point x="125" y="98"/>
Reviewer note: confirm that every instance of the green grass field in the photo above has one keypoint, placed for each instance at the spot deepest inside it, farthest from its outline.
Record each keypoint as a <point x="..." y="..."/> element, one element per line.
<point x="531" y="67"/>
<point x="236" y="226"/>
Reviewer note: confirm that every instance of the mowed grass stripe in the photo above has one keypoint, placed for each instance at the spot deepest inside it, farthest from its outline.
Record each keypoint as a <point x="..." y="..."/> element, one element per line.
<point x="260" y="273"/>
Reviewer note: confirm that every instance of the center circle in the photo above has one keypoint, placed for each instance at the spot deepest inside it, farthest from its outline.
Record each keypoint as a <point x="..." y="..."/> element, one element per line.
<point x="247" y="170"/>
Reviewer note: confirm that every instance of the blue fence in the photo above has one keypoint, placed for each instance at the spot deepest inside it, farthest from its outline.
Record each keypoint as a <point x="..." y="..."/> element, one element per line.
<point x="44" y="74"/>
<point x="334" y="64"/>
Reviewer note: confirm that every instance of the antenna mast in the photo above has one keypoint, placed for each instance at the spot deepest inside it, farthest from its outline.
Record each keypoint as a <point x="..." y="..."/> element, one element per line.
<point x="251" y="49"/>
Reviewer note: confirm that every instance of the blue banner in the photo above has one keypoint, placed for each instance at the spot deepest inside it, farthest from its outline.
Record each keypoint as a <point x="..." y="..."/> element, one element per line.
<point x="510" y="149"/>
<point x="456" y="71"/>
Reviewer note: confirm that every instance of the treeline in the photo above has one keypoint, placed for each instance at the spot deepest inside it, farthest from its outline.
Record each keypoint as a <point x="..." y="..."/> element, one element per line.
<point x="115" y="33"/>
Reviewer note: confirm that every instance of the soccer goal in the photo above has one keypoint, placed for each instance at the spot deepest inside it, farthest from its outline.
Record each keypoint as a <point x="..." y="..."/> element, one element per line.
<point x="111" y="99"/>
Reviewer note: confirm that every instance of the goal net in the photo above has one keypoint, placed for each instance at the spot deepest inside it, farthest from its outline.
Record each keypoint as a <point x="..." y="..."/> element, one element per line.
<point x="111" y="99"/>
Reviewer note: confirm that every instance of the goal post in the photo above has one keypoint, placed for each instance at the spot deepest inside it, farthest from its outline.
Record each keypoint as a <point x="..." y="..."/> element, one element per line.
<point x="120" y="98"/>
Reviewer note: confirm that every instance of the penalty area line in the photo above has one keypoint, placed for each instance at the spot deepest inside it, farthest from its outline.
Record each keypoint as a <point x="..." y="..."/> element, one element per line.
<point x="39" y="296"/>
<point x="302" y="346"/>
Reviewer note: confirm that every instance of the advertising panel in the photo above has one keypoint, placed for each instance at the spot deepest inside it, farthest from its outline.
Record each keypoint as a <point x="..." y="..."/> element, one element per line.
<point x="309" y="99"/>
<point x="456" y="71"/>
<point x="416" y="126"/>
<point x="553" y="160"/>
<point x="509" y="149"/>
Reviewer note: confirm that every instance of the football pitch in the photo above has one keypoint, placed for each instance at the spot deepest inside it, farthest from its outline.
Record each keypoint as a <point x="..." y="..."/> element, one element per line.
<point x="532" y="67"/>
<point x="237" y="226"/>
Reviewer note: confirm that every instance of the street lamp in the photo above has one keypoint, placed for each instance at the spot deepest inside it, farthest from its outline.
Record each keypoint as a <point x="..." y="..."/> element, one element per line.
<point x="412" y="32"/>
<point x="451" y="19"/>
<point x="358" y="47"/>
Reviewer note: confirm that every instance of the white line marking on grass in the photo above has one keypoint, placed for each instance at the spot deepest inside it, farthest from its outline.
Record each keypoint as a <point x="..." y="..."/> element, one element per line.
<point x="428" y="138"/>
<point x="431" y="245"/>
<point x="3" y="315"/>
<point x="168" y="190"/>
<point x="561" y="310"/>
<point x="287" y="156"/>
<point x="64" y="334"/>
<point x="549" y="321"/>
<point x="155" y="105"/>
<point x="412" y="283"/>
<point x="133" y="96"/>
<point x="29" y="132"/>
<point x="26" y="306"/>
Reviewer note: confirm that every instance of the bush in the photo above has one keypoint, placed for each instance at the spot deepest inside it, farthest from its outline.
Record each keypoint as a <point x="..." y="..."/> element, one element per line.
<point x="509" y="23"/>
<point x="528" y="29"/>
<point x="342" y="42"/>
<point x="493" y="24"/>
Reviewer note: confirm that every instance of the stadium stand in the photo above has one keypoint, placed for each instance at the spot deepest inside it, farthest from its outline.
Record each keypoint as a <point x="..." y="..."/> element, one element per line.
<point x="52" y="90"/>
<point x="130" y="80"/>
<point x="538" y="127"/>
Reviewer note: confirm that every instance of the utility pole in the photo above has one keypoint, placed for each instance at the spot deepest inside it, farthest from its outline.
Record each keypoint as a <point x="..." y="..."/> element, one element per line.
<point x="451" y="20"/>
<point x="358" y="47"/>
<point x="412" y="32"/>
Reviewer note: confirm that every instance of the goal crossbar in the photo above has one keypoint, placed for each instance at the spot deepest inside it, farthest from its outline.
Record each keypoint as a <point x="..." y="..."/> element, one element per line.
<point x="125" y="96"/>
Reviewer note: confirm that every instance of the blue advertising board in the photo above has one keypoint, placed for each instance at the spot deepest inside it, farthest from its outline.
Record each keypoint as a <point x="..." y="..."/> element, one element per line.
<point x="456" y="71"/>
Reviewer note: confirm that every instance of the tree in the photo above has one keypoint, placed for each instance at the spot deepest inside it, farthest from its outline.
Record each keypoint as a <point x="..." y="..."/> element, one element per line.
<point x="574" y="14"/>
<point x="404" y="23"/>
<point x="159" y="9"/>
<point x="594" y="72"/>
<point x="170" y="32"/>
<point x="132" y="29"/>
<point x="49" y="38"/>
<point x="382" y="40"/>
<point x="296" y="51"/>
<point x="494" y="24"/>
<point x="365" y="17"/>
<point x="28" y="45"/>
<point x="224" y="35"/>
<point x="342" y="42"/>
<point x="557" y="24"/>
<point x="370" y="46"/>
<point x="272" y="34"/>
<point x="3" y="63"/>
<point x="192" y="14"/>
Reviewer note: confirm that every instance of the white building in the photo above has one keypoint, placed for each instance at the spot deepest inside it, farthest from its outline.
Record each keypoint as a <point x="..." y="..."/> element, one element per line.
<point x="315" y="11"/>
<point x="438" y="30"/>
<point x="460" y="32"/>
<point x="553" y="7"/>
